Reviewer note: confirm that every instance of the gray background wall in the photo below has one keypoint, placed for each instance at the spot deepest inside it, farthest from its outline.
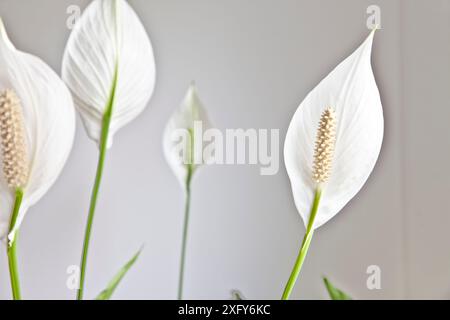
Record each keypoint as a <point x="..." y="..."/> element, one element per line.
<point x="253" y="62"/>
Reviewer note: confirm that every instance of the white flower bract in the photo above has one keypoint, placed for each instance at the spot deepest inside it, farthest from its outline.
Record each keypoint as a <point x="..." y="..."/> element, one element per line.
<point x="109" y="58"/>
<point x="351" y="91"/>
<point x="48" y="124"/>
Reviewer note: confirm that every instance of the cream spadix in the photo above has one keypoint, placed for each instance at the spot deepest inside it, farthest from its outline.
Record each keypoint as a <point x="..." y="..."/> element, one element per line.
<point x="109" y="66"/>
<point x="357" y="120"/>
<point x="37" y="127"/>
<point x="13" y="145"/>
<point x="324" y="151"/>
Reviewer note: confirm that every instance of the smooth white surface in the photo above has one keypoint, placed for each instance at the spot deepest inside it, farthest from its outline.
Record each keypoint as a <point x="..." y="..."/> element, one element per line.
<point x="253" y="62"/>
<point x="109" y="49"/>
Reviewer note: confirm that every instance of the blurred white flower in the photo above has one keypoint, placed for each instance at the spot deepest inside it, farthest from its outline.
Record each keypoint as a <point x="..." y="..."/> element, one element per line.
<point x="182" y="143"/>
<point x="180" y="136"/>
<point x="109" y="67"/>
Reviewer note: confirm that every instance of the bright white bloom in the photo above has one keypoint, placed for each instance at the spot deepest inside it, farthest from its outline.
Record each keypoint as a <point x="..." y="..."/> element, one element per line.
<point x="109" y="63"/>
<point x="37" y="127"/>
<point x="351" y="95"/>
<point x="182" y="142"/>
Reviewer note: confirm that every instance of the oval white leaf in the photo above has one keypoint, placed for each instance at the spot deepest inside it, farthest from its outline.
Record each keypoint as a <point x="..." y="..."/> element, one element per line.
<point x="351" y="90"/>
<point x="109" y="55"/>
<point x="49" y="120"/>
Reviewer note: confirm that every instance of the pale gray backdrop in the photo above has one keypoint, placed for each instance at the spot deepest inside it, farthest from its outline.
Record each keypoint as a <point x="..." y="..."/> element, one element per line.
<point x="253" y="62"/>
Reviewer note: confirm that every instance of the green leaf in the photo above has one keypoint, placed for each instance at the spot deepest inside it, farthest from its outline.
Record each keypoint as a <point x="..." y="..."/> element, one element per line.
<point x="237" y="295"/>
<point x="335" y="293"/>
<point x="112" y="285"/>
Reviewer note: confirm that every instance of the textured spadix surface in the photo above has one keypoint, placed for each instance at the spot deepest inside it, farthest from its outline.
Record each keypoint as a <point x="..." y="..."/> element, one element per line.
<point x="350" y="89"/>
<point x="109" y="58"/>
<point x="49" y="125"/>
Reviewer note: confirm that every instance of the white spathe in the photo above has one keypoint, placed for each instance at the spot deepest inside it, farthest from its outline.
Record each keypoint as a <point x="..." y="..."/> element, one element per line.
<point x="109" y="51"/>
<point x="49" y="121"/>
<point x="176" y="138"/>
<point x="350" y="89"/>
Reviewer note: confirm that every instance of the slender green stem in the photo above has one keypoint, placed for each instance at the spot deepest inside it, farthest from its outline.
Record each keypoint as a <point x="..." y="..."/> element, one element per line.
<point x="304" y="248"/>
<point x="106" y="121"/>
<point x="185" y="232"/>
<point x="90" y="220"/>
<point x="12" y="248"/>
<point x="190" y="171"/>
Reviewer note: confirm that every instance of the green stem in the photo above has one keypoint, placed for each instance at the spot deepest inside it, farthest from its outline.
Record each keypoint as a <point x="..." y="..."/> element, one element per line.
<point x="304" y="248"/>
<point x="106" y="121"/>
<point x="185" y="232"/>
<point x="12" y="248"/>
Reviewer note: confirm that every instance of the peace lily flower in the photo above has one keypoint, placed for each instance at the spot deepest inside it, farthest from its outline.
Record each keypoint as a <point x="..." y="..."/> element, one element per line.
<point x="37" y="128"/>
<point x="332" y="144"/>
<point x="183" y="150"/>
<point x="109" y="66"/>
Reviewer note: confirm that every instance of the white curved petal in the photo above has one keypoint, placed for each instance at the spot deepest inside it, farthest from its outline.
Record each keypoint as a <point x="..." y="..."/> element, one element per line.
<point x="351" y="90"/>
<point x="109" y="34"/>
<point x="49" y="119"/>
<point x="189" y="116"/>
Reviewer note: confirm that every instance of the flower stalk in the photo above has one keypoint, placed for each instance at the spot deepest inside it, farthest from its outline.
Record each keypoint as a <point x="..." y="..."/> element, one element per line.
<point x="98" y="177"/>
<point x="190" y="172"/>
<point x="303" y="249"/>
<point x="185" y="232"/>
<point x="12" y="248"/>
